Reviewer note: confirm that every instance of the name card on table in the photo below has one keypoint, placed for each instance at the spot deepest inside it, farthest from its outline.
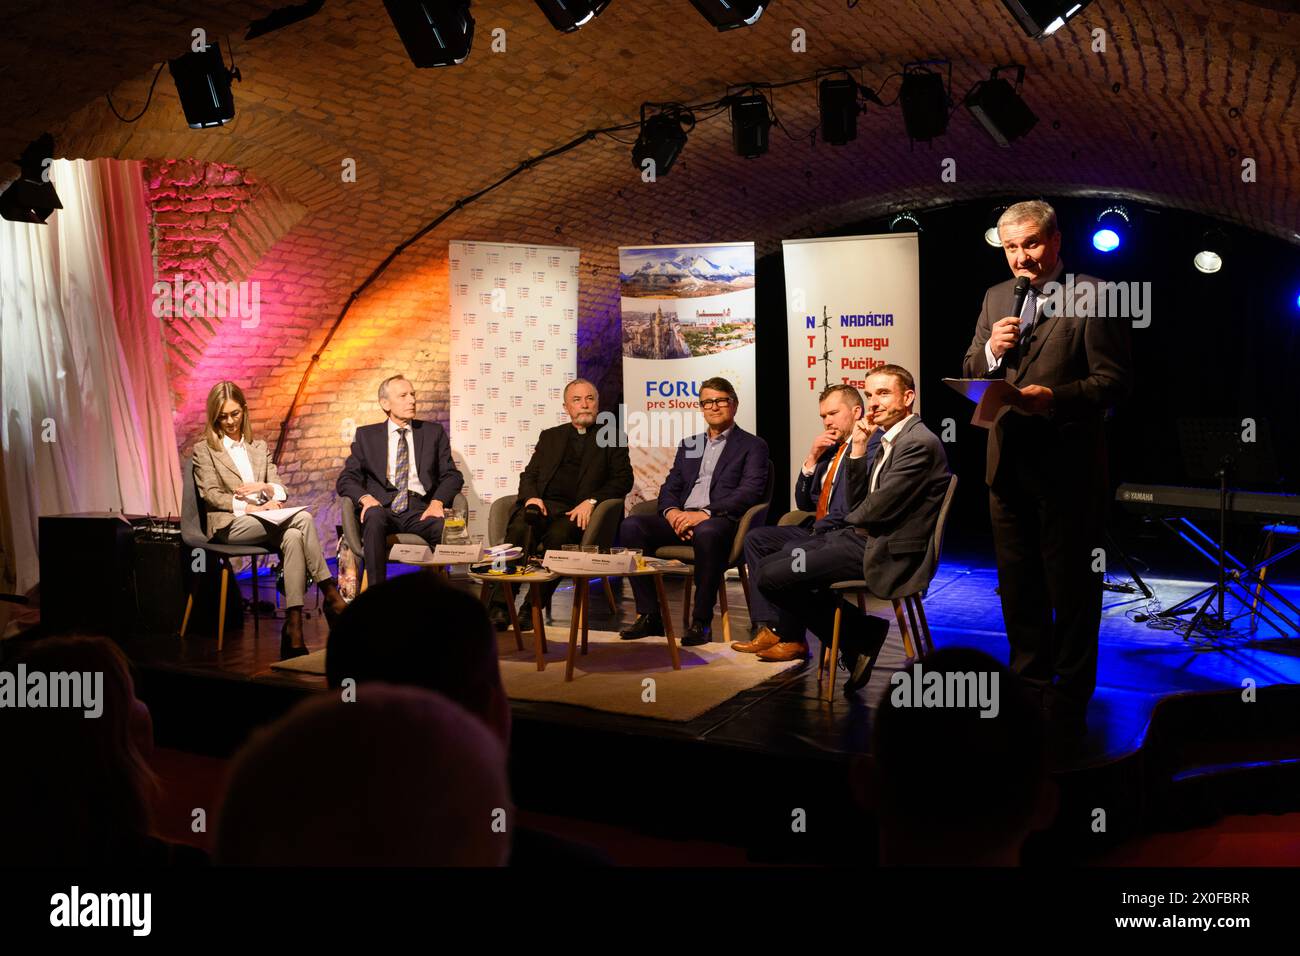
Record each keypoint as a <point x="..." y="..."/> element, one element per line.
<point x="411" y="554"/>
<point x="457" y="554"/>
<point x="581" y="562"/>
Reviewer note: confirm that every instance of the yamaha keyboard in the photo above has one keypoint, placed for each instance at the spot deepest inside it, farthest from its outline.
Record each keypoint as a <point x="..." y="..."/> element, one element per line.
<point x="1177" y="500"/>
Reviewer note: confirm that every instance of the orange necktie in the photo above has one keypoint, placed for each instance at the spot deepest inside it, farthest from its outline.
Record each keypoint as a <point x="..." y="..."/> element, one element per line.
<point x="824" y="499"/>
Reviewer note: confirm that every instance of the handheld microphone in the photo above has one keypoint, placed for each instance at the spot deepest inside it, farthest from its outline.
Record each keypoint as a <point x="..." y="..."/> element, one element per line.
<point x="1022" y="290"/>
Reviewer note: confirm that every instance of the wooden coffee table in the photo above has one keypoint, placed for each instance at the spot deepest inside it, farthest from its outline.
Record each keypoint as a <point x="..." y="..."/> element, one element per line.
<point x="508" y="582"/>
<point x="582" y="594"/>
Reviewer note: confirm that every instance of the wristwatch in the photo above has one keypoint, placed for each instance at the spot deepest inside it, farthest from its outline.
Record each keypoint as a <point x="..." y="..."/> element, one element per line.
<point x="593" y="502"/>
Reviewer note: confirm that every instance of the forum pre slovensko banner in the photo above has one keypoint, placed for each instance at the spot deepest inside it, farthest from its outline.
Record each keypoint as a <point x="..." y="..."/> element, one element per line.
<point x="688" y="315"/>
<point x="514" y="346"/>
<point x="852" y="304"/>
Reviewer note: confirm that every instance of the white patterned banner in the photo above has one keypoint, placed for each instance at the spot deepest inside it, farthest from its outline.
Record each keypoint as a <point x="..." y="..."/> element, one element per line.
<point x="514" y="346"/>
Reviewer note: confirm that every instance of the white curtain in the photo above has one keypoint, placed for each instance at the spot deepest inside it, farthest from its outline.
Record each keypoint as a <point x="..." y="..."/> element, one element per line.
<point x="87" y="411"/>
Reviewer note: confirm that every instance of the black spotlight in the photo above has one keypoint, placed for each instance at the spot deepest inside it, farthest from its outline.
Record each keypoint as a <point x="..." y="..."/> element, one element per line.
<point x="925" y="104"/>
<point x="31" y="197"/>
<point x="750" y="123"/>
<point x="282" y="17"/>
<point x="661" y="139"/>
<point x="729" y="14"/>
<point x="203" y="84"/>
<point x="999" y="108"/>
<point x="1042" y="18"/>
<point x="837" y="99"/>
<point x="434" y="34"/>
<point x="568" y="15"/>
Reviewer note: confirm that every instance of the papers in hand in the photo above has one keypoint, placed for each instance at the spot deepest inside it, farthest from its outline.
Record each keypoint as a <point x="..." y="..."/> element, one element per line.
<point x="993" y="398"/>
<point x="278" y="515"/>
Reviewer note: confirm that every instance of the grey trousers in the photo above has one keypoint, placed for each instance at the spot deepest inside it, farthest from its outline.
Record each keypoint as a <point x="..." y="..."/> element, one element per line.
<point x="296" y="540"/>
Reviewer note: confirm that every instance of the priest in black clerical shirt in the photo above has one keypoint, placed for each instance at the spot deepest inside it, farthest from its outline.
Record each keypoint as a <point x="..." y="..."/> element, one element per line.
<point x="571" y="471"/>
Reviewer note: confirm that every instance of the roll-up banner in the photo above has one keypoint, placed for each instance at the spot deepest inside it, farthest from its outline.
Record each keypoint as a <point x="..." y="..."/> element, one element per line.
<point x="514" y="346"/>
<point x="852" y="304"/>
<point x="688" y="315"/>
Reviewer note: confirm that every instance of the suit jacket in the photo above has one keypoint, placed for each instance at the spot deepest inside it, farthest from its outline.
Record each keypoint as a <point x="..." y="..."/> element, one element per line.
<point x="1086" y="362"/>
<point x="808" y="488"/>
<point x="216" y="478"/>
<point x="604" y="472"/>
<point x="898" y="518"/>
<point x="366" y="470"/>
<point x="739" y="478"/>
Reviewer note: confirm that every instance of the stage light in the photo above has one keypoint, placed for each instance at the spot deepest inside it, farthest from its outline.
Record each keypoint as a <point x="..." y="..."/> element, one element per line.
<point x="568" y="15"/>
<point x="1105" y="240"/>
<point x="991" y="231"/>
<point x="1214" y="247"/>
<point x="837" y="99"/>
<point x="905" y="222"/>
<point x="434" y="34"/>
<point x="661" y="138"/>
<point x="999" y="109"/>
<point x="925" y="103"/>
<point x="1042" y="18"/>
<point x="282" y="17"/>
<point x="750" y="123"/>
<point x="1112" y="228"/>
<point x="203" y="85"/>
<point x="31" y="197"/>
<point x="729" y="14"/>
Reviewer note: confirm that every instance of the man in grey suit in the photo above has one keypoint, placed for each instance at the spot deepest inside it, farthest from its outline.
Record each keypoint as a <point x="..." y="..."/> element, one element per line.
<point x="1046" y="465"/>
<point x="896" y="501"/>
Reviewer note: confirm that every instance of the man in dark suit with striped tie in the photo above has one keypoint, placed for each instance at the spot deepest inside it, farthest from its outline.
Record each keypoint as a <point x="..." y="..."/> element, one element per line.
<point x="1046" y="463"/>
<point x="821" y="487"/>
<point x="400" y="476"/>
<point x="896" y="499"/>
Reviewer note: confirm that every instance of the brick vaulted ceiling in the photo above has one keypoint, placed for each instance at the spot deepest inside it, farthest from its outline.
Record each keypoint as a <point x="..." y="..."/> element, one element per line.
<point x="1184" y="90"/>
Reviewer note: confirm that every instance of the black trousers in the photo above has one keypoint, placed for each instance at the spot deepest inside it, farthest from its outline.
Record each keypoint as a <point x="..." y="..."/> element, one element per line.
<point x="798" y="584"/>
<point x="380" y="522"/>
<point x="712" y="542"/>
<point x="556" y="529"/>
<point x="1044" y="534"/>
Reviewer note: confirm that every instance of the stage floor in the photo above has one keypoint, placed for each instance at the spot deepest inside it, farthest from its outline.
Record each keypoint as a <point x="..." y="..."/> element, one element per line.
<point x="1151" y="684"/>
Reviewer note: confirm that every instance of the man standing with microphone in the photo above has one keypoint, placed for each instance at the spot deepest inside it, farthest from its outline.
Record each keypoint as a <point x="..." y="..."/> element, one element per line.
<point x="1046" y="466"/>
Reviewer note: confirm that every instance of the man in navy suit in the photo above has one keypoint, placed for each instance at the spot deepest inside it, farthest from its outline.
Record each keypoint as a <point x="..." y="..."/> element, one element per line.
<point x="400" y="475"/>
<point x="822" y="488"/>
<point x="717" y="476"/>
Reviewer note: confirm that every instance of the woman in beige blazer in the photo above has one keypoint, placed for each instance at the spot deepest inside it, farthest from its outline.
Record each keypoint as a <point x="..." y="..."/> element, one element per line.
<point x="236" y="479"/>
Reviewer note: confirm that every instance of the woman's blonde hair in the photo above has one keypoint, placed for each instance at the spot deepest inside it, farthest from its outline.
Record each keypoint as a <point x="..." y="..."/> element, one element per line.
<point x="221" y="393"/>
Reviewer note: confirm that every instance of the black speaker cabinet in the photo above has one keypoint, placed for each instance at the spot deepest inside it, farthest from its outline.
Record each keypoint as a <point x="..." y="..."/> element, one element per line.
<point x="160" y="583"/>
<point x="87" y="574"/>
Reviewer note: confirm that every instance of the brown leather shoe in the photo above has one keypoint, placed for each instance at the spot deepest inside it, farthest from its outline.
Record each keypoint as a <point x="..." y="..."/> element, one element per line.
<point x="785" y="651"/>
<point x="765" y="638"/>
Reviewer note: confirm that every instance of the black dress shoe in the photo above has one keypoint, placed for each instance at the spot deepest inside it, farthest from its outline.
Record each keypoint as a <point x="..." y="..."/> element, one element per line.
<point x="526" y="618"/>
<point x="697" y="635"/>
<point x="860" y="653"/>
<point x="499" y="616"/>
<point x="645" y="625"/>
<point x="287" y="650"/>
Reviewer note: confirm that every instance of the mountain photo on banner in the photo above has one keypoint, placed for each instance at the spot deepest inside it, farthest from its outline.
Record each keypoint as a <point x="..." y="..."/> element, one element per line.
<point x="688" y="315"/>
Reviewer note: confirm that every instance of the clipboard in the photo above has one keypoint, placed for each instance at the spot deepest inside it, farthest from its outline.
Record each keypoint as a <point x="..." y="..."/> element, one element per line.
<point x="993" y="398"/>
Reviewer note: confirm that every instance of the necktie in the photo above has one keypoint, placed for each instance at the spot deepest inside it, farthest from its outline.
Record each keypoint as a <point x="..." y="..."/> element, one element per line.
<point x="1027" y="316"/>
<point x="401" y="473"/>
<point x="824" y="499"/>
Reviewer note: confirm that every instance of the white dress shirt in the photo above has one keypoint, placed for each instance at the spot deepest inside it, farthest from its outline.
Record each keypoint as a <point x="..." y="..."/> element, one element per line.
<point x="412" y="473"/>
<point x="1039" y="301"/>
<point x="886" y="447"/>
<point x="238" y="453"/>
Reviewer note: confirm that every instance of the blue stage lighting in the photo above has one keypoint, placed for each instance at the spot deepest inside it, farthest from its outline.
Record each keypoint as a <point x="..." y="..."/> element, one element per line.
<point x="1105" y="240"/>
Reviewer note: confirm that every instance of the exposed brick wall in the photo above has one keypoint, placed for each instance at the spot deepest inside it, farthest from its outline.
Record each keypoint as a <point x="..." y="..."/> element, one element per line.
<point x="340" y="86"/>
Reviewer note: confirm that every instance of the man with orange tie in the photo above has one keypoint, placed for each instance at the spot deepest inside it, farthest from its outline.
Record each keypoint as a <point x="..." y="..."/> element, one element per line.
<point x="779" y="636"/>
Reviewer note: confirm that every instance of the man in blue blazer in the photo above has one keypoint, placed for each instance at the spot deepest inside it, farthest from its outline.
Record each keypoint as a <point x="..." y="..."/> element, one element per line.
<point x="717" y="476"/>
<point x="400" y="476"/>
<point x="822" y="488"/>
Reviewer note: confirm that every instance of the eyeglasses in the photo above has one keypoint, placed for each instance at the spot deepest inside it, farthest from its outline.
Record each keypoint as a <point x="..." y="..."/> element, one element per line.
<point x="715" y="403"/>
